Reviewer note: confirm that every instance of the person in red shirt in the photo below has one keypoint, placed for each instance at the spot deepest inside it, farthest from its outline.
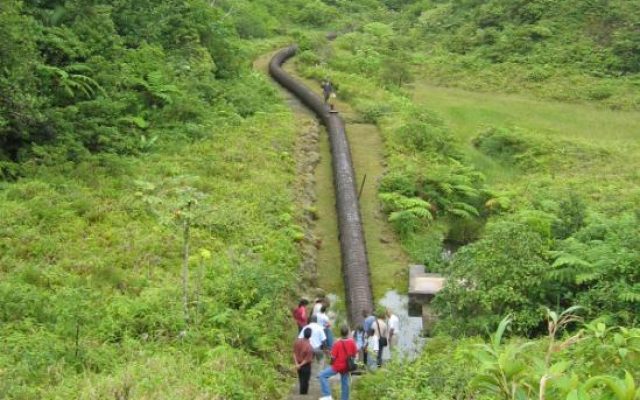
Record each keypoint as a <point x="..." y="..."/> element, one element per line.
<point x="303" y="357"/>
<point x="342" y="349"/>
<point x="300" y="314"/>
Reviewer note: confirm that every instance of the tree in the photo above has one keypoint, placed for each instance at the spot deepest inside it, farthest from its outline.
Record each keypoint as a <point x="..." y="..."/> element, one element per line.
<point x="502" y="273"/>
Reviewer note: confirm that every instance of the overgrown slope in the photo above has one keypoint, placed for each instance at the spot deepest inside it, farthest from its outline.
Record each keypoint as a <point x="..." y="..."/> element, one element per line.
<point x="567" y="50"/>
<point x="136" y="141"/>
<point x="124" y="123"/>
<point x="557" y="233"/>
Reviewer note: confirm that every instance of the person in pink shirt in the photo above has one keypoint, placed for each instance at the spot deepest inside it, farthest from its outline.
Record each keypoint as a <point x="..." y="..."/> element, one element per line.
<point x="300" y="314"/>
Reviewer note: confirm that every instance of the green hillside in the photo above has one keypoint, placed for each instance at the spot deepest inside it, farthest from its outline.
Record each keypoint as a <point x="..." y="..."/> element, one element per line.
<point x="565" y="50"/>
<point x="129" y="131"/>
<point x="541" y="195"/>
<point x="151" y="238"/>
<point x="598" y="37"/>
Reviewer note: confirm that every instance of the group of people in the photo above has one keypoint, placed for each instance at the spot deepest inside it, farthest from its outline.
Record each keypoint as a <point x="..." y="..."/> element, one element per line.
<point x="315" y="340"/>
<point x="377" y="332"/>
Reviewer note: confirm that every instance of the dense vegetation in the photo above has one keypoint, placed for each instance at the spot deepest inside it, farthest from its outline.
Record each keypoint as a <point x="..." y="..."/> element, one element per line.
<point x="560" y="49"/>
<point x="565" y="233"/>
<point x="149" y="226"/>
<point x="595" y="362"/>
<point x="148" y="238"/>
<point x="555" y="226"/>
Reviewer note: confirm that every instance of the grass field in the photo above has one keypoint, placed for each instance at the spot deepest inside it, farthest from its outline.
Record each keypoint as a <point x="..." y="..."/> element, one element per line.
<point x="467" y="113"/>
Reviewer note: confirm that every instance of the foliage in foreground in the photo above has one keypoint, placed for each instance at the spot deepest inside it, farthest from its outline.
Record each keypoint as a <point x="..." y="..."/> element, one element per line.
<point x="594" y="362"/>
<point x="518" y="267"/>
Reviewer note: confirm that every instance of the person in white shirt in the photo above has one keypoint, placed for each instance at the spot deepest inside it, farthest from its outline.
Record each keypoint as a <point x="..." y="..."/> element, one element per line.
<point x="317" y="339"/>
<point x="393" y="323"/>
<point x="372" y="347"/>
<point x="382" y="332"/>
<point x="325" y="323"/>
<point x="317" y="306"/>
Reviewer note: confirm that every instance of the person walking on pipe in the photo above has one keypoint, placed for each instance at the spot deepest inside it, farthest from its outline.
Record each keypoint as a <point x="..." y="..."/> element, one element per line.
<point x="327" y="90"/>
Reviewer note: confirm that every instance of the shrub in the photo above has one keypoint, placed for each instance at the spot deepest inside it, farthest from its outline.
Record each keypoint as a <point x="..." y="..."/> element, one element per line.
<point x="503" y="272"/>
<point x="373" y="111"/>
<point x="506" y="146"/>
<point x="316" y="13"/>
<point x="406" y="214"/>
<point x="600" y="92"/>
<point x="597" y="266"/>
<point x="252" y="21"/>
<point x="427" y="138"/>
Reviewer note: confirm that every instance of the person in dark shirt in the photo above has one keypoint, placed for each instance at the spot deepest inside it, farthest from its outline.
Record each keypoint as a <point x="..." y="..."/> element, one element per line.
<point x="367" y="324"/>
<point x="342" y="349"/>
<point x="302" y="357"/>
<point x="327" y="89"/>
<point x="369" y="319"/>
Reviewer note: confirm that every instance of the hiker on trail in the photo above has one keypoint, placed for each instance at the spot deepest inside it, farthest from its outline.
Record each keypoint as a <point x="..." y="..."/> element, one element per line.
<point x="327" y="90"/>
<point x="342" y="350"/>
<point x="393" y="323"/>
<point x="318" y="305"/>
<point x="380" y="328"/>
<point x="372" y="348"/>
<point x="360" y="337"/>
<point x="368" y="321"/>
<point x="323" y="320"/>
<point x="367" y="324"/>
<point x="303" y="357"/>
<point x="317" y="339"/>
<point x="300" y="314"/>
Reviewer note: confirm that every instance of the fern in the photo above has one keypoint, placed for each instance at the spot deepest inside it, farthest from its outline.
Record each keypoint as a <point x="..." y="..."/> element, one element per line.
<point x="137" y="121"/>
<point x="498" y="203"/>
<point x="463" y="210"/>
<point x="466" y="190"/>
<point x="629" y="296"/>
<point x="569" y="268"/>
<point x="406" y="213"/>
<point x="570" y="260"/>
<point x="71" y="83"/>
<point x="158" y="89"/>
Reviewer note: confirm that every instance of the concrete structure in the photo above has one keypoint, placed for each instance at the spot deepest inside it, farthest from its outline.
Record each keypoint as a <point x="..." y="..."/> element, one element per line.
<point x="423" y="287"/>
